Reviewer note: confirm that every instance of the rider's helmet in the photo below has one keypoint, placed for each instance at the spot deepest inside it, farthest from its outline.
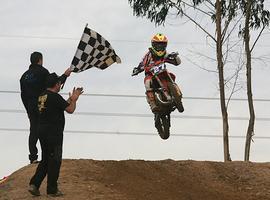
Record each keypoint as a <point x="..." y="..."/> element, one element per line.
<point x="159" y="44"/>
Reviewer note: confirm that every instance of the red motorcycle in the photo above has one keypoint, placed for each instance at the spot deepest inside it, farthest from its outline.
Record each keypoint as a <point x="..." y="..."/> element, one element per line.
<point x="168" y="97"/>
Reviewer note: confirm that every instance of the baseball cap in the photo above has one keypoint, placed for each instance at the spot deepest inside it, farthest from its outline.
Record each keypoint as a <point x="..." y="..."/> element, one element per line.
<point x="52" y="79"/>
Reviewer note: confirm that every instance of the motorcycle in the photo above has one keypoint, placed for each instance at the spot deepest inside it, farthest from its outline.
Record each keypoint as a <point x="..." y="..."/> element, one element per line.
<point x="168" y="97"/>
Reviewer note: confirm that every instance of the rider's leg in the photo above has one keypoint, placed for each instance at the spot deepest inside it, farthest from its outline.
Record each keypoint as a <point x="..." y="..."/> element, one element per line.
<point x="175" y="85"/>
<point x="151" y="101"/>
<point x="180" y="106"/>
<point x="178" y="90"/>
<point x="179" y="93"/>
<point x="150" y="95"/>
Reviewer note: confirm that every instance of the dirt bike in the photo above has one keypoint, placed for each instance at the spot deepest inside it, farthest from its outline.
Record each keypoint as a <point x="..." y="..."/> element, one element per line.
<point x="168" y="97"/>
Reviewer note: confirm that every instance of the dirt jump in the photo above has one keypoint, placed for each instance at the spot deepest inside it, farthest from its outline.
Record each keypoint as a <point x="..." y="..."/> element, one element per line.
<point x="149" y="180"/>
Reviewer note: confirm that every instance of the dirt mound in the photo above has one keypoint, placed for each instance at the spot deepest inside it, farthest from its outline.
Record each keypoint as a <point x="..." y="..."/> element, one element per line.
<point x="138" y="179"/>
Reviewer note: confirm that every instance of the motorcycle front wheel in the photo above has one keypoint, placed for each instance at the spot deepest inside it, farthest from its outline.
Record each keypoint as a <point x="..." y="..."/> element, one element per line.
<point x="162" y="124"/>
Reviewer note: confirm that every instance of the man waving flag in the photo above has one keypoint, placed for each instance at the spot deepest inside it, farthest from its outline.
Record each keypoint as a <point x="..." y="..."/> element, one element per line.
<point x="93" y="51"/>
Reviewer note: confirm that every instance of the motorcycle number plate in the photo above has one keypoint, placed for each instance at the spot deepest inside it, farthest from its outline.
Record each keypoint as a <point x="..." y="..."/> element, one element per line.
<point x="158" y="68"/>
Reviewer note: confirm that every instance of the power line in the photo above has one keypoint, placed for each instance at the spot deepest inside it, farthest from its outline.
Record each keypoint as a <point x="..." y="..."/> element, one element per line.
<point x="113" y="40"/>
<point x="104" y="114"/>
<point x="138" y="133"/>
<point x="73" y="38"/>
<point x="143" y="96"/>
<point x="37" y="37"/>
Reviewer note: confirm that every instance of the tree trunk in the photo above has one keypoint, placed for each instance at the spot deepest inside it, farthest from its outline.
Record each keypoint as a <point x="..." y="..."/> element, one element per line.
<point x="221" y="83"/>
<point x="250" y="129"/>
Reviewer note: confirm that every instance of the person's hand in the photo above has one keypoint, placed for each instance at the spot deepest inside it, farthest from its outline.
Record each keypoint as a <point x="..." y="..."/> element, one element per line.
<point x="173" y="55"/>
<point x="68" y="72"/>
<point x="136" y="71"/>
<point x="76" y="92"/>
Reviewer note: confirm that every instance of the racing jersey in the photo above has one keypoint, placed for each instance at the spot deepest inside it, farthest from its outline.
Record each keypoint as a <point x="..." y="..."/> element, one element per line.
<point x="150" y="60"/>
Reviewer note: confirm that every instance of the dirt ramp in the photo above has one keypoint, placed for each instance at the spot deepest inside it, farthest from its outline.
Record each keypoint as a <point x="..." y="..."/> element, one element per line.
<point x="153" y="180"/>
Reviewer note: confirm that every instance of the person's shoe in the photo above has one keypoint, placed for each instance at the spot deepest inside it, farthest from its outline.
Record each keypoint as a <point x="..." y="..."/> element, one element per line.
<point x="57" y="194"/>
<point x="34" y="162"/>
<point x="34" y="190"/>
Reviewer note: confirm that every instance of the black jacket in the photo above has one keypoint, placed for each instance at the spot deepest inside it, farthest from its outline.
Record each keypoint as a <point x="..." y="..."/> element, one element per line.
<point x="33" y="83"/>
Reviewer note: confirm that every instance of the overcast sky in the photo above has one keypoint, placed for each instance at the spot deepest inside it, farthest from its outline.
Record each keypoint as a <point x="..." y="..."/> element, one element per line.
<point x="55" y="27"/>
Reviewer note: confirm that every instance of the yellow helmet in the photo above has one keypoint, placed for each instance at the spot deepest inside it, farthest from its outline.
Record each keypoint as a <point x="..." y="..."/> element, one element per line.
<point x="159" y="44"/>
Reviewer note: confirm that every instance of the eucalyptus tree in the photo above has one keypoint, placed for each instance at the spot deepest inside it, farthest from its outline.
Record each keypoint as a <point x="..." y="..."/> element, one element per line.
<point x="220" y="12"/>
<point x="227" y="15"/>
<point x="256" y="17"/>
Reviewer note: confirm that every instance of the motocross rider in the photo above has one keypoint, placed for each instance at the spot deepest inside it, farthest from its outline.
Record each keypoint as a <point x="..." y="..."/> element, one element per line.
<point x="156" y="55"/>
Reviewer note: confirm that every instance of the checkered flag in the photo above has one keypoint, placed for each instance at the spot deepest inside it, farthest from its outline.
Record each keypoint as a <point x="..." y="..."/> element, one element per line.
<point x="93" y="51"/>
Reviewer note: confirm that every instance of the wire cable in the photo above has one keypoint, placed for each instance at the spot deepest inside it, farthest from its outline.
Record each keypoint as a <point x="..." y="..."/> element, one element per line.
<point x="113" y="40"/>
<point x="137" y="133"/>
<point x="143" y="96"/>
<point x="107" y="114"/>
<point x="74" y="38"/>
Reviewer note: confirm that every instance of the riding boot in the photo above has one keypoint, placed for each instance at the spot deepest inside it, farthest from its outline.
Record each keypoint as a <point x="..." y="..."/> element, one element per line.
<point x="179" y="93"/>
<point x="178" y="90"/>
<point x="151" y="101"/>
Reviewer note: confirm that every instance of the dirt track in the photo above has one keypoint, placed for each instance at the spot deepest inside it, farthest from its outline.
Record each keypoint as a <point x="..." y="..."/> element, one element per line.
<point x="153" y="180"/>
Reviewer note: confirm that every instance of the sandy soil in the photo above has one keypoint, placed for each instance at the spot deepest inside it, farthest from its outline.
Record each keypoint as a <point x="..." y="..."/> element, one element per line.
<point x="149" y="180"/>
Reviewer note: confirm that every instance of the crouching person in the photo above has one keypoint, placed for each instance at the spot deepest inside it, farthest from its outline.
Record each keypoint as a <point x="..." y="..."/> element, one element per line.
<point x="51" y="108"/>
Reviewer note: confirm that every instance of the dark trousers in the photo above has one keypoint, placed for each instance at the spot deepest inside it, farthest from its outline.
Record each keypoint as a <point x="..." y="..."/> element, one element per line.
<point x="50" y="164"/>
<point x="33" y="136"/>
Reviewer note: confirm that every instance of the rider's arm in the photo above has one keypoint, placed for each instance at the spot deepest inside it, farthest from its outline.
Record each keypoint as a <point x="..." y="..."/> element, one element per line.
<point x="173" y="58"/>
<point x="140" y="67"/>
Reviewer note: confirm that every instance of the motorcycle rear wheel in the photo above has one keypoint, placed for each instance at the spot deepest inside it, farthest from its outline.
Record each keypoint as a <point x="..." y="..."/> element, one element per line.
<point x="177" y="95"/>
<point x="162" y="123"/>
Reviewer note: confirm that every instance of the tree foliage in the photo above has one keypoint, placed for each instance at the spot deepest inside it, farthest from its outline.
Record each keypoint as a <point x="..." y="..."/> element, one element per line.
<point x="155" y="10"/>
<point x="259" y="17"/>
